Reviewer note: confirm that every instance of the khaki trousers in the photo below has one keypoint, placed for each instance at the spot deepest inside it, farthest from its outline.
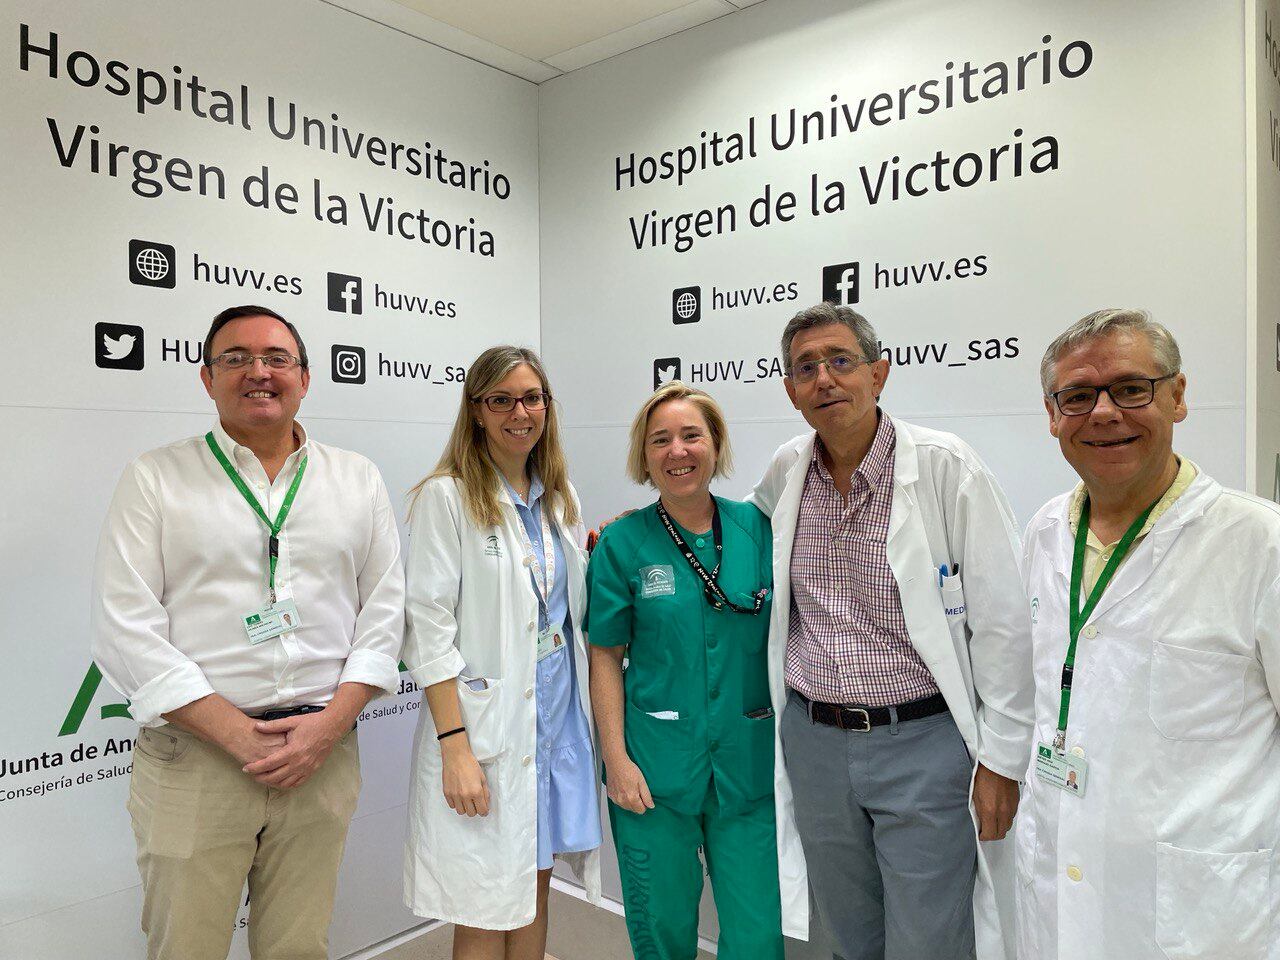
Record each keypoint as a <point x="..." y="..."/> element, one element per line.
<point x="204" y="827"/>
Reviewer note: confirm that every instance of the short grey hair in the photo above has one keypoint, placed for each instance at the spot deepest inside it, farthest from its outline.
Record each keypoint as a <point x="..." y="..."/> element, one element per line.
<point x="825" y="314"/>
<point x="1102" y="323"/>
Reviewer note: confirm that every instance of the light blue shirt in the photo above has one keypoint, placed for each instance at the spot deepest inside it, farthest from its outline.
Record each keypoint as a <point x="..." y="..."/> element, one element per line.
<point x="568" y="815"/>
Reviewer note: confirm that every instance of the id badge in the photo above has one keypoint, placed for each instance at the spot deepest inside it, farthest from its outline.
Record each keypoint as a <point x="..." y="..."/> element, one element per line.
<point x="550" y="640"/>
<point x="271" y="621"/>
<point x="1062" y="770"/>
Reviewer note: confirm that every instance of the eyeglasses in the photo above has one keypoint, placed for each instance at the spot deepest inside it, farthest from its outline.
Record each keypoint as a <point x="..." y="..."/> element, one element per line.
<point x="1128" y="394"/>
<point x="234" y="360"/>
<point x="838" y="366"/>
<point x="502" y="403"/>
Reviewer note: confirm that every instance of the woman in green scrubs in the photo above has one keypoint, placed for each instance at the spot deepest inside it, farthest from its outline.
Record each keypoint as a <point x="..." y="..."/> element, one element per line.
<point x="681" y="589"/>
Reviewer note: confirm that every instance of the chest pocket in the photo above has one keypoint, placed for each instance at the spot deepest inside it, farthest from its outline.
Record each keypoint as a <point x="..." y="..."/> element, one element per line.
<point x="953" y="604"/>
<point x="1195" y="694"/>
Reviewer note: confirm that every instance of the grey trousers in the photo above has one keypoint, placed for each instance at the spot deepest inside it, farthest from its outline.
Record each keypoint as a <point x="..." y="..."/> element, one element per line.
<point x="884" y="821"/>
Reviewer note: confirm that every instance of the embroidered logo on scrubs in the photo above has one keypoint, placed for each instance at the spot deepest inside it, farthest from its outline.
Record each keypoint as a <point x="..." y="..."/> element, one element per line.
<point x="657" y="581"/>
<point x="492" y="548"/>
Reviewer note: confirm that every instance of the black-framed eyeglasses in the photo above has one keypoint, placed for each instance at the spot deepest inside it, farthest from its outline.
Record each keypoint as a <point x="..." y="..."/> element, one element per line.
<point x="236" y="360"/>
<point x="503" y="403"/>
<point x="840" y="365"/>
<point x="1128" y="394"/>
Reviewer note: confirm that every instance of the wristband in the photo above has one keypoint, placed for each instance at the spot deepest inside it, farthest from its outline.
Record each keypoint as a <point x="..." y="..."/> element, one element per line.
<point x="450" y="733"/>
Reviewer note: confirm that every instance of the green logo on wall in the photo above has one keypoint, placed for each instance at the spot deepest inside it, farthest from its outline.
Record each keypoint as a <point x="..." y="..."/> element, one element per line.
<point x="84" y="697"/>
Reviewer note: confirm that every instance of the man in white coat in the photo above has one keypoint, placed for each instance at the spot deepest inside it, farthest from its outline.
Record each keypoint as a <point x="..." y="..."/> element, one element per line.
<point x="1155" y="602"/>
<point x="899" y="664"/>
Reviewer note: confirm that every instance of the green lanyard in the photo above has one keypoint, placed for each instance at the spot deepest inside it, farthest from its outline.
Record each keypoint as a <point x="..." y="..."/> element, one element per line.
<point x="275" y="526"/>
<point x="1080" y="616"/>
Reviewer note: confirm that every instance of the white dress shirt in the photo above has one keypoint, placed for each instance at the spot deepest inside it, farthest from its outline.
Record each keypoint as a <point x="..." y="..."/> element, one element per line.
<point x="183" y="558"/>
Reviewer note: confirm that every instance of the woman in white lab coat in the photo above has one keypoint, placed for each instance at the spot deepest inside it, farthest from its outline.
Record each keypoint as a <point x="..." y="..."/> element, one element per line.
<point x="504" y="774"/>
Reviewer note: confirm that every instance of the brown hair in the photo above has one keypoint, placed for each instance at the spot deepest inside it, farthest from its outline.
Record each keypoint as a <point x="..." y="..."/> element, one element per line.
<point x="466" y="457"/>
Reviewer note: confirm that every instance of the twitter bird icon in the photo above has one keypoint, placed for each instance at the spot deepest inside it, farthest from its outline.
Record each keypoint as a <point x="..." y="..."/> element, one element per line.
<point x="665" y="369"/>
<point x="119" y="349"/>
<point x="118" y="346"/>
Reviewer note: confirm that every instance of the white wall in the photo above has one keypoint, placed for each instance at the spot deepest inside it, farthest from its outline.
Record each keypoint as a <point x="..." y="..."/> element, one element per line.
<point x="68" y="884"/>
<point x="1262" y="81"/>
<point x="1145" y="208"/>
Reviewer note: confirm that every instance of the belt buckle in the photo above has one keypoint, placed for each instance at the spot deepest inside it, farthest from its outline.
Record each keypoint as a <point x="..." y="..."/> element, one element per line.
<point x="866" y="719"/>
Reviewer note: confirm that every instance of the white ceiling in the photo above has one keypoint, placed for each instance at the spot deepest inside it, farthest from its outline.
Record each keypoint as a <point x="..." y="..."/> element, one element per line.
<point x="541" y="39"/>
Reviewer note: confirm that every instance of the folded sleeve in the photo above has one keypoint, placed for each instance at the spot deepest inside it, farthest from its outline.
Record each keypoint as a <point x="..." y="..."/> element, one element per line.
<point x="129" y="626"/>
<point x="379" y="628"/>
<point x="433" y="582"/>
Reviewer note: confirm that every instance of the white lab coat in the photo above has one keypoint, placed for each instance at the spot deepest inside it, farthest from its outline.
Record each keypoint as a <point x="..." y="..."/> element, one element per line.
<point x="1172" y="850"/>
<point x="473" y="614"/>
<point x="947" y="509"/>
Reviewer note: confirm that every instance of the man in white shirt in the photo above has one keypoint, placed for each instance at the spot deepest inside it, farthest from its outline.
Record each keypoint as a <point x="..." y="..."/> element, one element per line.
<point x="246" y="766"/>
<point x="1149" y="825"/>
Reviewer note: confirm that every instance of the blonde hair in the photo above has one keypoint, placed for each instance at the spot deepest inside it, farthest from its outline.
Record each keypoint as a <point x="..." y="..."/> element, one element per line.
<point x="637" y="467"/>
<point x="466" y="457"/>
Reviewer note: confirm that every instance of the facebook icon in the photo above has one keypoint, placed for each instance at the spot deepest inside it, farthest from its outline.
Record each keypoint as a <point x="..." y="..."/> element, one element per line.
<point x="840" y="283"/>
<point x="344" y="293"/>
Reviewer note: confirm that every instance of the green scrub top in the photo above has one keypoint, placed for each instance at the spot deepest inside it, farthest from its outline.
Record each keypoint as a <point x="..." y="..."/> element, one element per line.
<point x="695" y="673"/>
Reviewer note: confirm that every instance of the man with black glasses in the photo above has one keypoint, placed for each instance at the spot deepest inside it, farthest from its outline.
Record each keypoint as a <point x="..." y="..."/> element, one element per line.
<point x="899" y="664"/>
<point x="249" y="600"/>
<point x="1149" y="824"/>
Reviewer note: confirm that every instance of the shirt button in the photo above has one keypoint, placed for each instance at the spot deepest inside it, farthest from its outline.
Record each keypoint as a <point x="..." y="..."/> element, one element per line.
<point x="530" y="624"/>
<point x="1075" y="873"/>
<point x="528" y="694"/>
<point x="701" y="542"/>
<point x="711" y="643"/>
<point x="715" y="744"/>
<point x="1090" y="631"/>
<point x="715" y="693"/>
<point x="525" y="761"/>
<point x="1077" y="751"/>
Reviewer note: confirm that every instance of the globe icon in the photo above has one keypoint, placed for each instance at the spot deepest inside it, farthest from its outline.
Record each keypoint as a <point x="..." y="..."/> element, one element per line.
<point x="686" y="305"/>
<point x="151" y="263"/>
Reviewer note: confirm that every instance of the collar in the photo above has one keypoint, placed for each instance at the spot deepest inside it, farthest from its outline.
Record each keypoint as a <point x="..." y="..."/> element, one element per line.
<point x="872" y="467"/>
<point x="1187" y="472"/>
<point x="238" y="453"/>
<point x="536" y="490"/>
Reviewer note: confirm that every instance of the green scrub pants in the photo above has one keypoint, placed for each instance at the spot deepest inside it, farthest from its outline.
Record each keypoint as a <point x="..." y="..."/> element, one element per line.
<point x="662" y="879"/>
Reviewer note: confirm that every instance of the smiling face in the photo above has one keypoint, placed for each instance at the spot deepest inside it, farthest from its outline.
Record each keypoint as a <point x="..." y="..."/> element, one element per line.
<point x="678" y="450"/>
<point x="512" y="435"/>
<point x="836" y="406"/>
<point x="256" y="397"/>
<point x="1113" y="448"/>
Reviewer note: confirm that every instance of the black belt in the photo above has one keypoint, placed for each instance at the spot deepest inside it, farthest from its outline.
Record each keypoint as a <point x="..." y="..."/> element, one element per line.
<point x="862" y="719"/>
<point x="290" y="712"/>
<point x="294" y="712"/>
